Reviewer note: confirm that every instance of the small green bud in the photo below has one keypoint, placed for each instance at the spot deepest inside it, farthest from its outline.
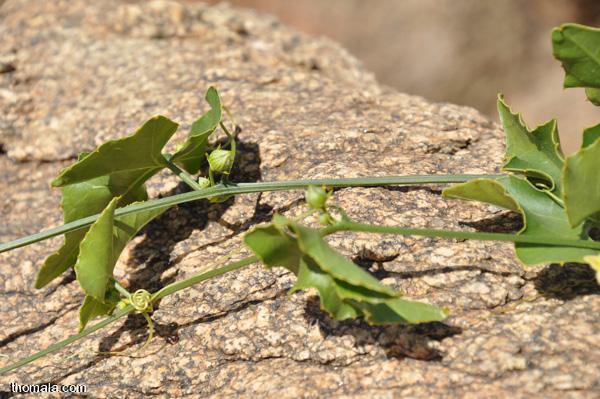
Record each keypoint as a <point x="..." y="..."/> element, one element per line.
<point x="316" y="197"/>
<point x="203" y="182"/>
<point x="325" y="219"/>
<point x="221" y="160"/>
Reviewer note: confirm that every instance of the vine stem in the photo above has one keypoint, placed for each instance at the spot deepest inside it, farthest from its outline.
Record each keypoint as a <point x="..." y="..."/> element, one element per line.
<point x="346" y="225"/>
<point x="242" y="188"/>
<point x="184" y="176"/>
<point x="59" y="345"/>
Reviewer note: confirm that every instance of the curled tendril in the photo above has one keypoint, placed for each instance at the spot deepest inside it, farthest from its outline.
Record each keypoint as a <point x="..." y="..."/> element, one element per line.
<point x="141" y="300"/>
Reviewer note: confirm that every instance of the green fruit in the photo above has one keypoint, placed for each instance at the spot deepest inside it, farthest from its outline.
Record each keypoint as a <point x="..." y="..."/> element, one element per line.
<point x="221" y="161"/>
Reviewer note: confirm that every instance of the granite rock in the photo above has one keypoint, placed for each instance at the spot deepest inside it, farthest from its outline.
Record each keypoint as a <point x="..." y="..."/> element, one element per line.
<point x="76" y="73"/>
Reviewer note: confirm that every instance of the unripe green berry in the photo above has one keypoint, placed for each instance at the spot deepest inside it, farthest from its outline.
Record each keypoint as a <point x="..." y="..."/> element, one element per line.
<point x="220" y="160"/>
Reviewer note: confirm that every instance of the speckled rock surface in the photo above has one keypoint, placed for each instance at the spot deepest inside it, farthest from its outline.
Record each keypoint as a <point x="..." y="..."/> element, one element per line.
<point x="74" y="73"/>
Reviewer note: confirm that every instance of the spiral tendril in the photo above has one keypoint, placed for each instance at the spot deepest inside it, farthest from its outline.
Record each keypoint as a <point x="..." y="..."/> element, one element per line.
<point x="141" y="300"/>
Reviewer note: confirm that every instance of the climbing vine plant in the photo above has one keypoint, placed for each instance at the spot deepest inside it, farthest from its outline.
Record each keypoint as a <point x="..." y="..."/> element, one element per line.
<point x="105" y="204"/>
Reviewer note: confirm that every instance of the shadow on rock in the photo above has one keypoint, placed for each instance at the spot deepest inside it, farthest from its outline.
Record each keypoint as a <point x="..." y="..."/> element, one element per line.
<point x="398" y="341"/>
<point x="137" y="325"/>
<point x="505" y="222"/>
<point x="567" y="282"/>
<point x="170" y="332"/>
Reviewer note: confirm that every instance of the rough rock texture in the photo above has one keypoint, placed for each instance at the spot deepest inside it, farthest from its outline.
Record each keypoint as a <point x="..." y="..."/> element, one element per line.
<point x="76" y="73"/>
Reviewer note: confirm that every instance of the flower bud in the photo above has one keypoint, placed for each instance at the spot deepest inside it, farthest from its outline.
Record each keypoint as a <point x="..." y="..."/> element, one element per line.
<point x="316" y="197"/>
<point x="203" y="182"/>
<point x="221" y="160"/>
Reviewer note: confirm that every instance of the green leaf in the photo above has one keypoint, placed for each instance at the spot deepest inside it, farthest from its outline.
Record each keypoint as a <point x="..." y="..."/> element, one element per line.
<point x="93" y="308"/>
<point x="137" y="155"/>
<point x="399" y="310"/>
<point x="273" y="247"/>
<point x="94" y="266"/>
<point x="338" y="266"/>
<point x="542" y="217"/>
<point x="581" y="179"/>
<point x="483" y="190"/>
<point x="345" y="290"/>
<point x="593" y="95"/>
<point x="102" y="246"/>
<point x="577" y="47"/>
<point x="190" y="155"/>
<point x="310" y="275"/>
<point x="590" y="135"/>
<point x="536" y="153"/>
<point x="80" y="200"/>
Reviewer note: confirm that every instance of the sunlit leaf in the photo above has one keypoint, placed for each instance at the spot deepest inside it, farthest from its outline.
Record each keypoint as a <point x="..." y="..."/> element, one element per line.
<point x="338" y="266"/>
<point x="93" y="308"/>
<point x="535" y="153"/>
<point x="274" y="248"/>
<point x="581" y="178"/>
<point x="400" y="310"/>
<point x="80" y="200"/>
<point x="483" y="190"/>
<point x="590" y="135"/>
<point x="138" y="155"/>
<point x="578" y="49"/>
<point x="345" y="290"/>
<point x="593" y="95"/>
<point x="310" y="275"/>
<point x="542" y="217"/>
<point x="102" y="246"/>
<point x="191" y="153"/>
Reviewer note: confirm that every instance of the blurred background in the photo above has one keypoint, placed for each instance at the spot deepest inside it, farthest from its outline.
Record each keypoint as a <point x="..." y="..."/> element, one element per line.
<point x="460" y="51"/>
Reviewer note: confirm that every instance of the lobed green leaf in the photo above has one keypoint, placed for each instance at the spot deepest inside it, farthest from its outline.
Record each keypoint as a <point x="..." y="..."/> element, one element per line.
<point x="535" y="154"/>
<point x="542" y="217"/>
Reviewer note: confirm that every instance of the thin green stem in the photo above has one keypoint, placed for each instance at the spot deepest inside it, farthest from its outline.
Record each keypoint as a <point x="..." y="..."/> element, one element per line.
<point x="370" y="228"/>
<point x="199" y="277"/>
<point x="184" y="176"/>
<point x="59" y="345"/>
<point x="122" y="290"/>
<point x="242" y="188"/>
<point x="231" y="142"/>
<point x="230" y="116"/>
